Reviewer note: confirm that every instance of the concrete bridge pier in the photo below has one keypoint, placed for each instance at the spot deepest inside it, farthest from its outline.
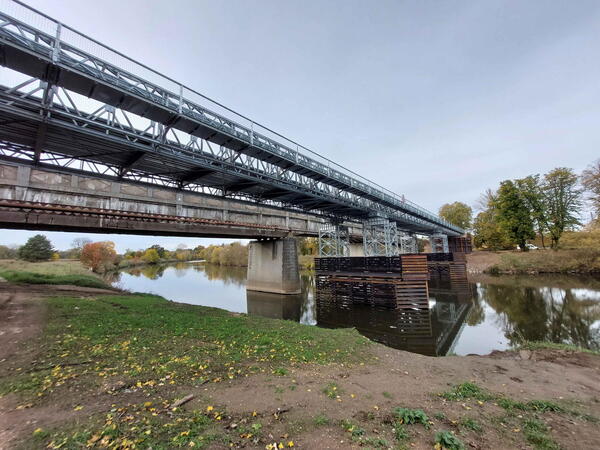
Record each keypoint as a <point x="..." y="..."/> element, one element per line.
<point x="273" y="266"/>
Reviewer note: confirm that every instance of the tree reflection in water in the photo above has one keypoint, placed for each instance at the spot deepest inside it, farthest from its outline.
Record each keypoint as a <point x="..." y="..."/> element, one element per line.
<point x="560" y="315"/>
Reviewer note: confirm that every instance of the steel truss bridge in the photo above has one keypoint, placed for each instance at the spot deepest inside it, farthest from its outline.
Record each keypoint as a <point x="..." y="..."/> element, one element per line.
<point x="80" y="104"/>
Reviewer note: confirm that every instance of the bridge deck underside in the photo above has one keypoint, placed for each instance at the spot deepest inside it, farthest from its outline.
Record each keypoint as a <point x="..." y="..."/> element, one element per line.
<point x="59" y="132"/>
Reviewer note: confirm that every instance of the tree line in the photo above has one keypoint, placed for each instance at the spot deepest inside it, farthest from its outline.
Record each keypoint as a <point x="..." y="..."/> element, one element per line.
<point x="519" y="210"/>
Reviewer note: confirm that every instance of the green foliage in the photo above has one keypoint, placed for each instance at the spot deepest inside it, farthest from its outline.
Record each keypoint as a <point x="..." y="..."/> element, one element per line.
<point x="39" y="278"/>
<point x="280" y="371"/>
<point x="457" y="213"/>
<point x="513" y="215"/>
<point x="471" y="424"/>
<point x="489" y="234"/>
<point x="37" y="248"/>
<point x="411" y="416"/>
<point x="7" y="252"/>
<point x="447" y="440"/>
<point x="536" y="433"/>
<point x="467" y="390"/>
<point x="321" y="420"/>
<point x="400" y="432"/>
<point x="387" y="394"/>
<point x="563" y="200"/>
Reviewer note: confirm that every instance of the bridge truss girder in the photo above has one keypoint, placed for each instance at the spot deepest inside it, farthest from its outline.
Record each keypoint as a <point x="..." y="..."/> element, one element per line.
<point x="178" y="122"/>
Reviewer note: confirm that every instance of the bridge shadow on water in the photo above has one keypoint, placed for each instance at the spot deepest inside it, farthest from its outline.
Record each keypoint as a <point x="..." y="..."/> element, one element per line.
<point x="477" y="316"/>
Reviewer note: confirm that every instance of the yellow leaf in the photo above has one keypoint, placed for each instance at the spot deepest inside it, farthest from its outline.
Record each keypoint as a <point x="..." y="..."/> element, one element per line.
<point x="78" y="408"/>
<point x="148" y="404"/>
<point x="37" y="430"/>
<point x="290" y="444"/>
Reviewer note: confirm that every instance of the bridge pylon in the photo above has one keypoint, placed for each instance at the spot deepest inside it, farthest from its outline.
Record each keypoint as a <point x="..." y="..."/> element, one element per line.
<point x="439" y="243"/>
<point x="380" y="237"/>
<point x="334" y="240"/>
<point x="407" y="243"/>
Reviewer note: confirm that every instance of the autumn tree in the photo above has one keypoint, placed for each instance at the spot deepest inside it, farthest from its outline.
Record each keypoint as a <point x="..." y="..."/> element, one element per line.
<point x="488" y="233"/>
<point x="590" y="178"/>
<point x="563" y="198"/>
<point x="513" y="214"/>
<point x="99" y="256"/>
<point x="159" y="250"/>
<point x="457" y="213"/>
<point x="151" y="256"/>
<point x="37" y="248"/>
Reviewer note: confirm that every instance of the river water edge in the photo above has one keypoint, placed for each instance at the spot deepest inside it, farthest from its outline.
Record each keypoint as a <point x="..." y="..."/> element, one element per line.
<point x="488" y="313"/>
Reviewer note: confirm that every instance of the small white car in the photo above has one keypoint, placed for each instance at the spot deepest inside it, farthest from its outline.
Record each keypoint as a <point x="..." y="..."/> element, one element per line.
<point x="530" y="247"/>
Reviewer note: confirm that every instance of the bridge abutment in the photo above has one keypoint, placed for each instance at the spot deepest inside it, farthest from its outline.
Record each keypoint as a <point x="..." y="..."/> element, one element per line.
<point x="273" y="266"/>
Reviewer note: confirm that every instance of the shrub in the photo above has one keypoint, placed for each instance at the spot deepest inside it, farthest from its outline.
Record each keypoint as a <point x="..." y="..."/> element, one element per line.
<point x="37" y="248"/>
<point x="99" y="256"/>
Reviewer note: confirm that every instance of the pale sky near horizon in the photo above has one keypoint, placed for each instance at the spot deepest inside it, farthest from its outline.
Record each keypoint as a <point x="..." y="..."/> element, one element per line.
<point x="436" y="100"/>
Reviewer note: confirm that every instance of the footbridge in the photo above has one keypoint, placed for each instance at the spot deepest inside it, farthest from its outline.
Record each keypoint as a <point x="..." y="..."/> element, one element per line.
<point x="74" y="107"/>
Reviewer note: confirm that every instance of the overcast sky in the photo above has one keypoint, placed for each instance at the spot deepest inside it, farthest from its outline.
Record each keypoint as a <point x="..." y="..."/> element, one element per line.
<point x="437" y="100"/>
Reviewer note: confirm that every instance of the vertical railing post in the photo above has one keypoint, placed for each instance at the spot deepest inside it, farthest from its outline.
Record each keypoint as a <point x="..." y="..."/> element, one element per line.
<point x="56" y="49"/>
<point x="180" y="108"/>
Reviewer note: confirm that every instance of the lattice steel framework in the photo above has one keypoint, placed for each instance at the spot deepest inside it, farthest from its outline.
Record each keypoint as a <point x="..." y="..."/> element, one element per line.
<point x="145" y="125"/>
<point x="439" y="243"/>
<point x="334" y="240"/>
<point x="380" y="237"/>
<point x="407" y="243"/>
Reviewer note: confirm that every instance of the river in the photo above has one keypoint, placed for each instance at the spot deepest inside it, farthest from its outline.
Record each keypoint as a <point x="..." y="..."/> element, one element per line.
<point x="487" y="313"/>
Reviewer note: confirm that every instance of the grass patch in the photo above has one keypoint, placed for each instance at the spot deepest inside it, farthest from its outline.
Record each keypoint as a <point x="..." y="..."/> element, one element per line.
<point x="465" y="391"/>
<point x="536" y="433"/>
<point x="150" y="342"/>
<point x="387" y="395"/>
<point x="471" y="424"/>
<point x="584" y="260"/>
<point x="321" y="420"/>
<point x="41" y="278"/>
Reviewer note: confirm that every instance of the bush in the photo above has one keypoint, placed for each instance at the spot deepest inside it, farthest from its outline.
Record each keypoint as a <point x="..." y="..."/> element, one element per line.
<point x="99" y="256"/>
<point x="37" y="248"/>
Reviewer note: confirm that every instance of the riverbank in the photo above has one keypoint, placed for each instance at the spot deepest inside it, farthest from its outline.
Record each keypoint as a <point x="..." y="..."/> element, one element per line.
<point x="103" y="368"/>
<point x="580" y="261"/>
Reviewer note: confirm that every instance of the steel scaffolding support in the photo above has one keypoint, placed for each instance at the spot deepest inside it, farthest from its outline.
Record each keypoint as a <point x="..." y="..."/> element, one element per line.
<point x="380" y="237"/>
<point x="334" y="240"/>
<point x="408" y="243"/>
<point x="439" y="243"/>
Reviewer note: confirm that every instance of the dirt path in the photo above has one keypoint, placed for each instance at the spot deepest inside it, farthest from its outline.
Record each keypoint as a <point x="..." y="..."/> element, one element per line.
<point x="22" y="318"/>
<point x="287" y="405"/>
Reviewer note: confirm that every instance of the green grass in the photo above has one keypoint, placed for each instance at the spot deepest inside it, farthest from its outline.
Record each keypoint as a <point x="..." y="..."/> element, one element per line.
<point x="471" y="424"/>
<point x="41" y="278"/>
<point x="155" y="347"/>
<point x="321" y="420"/>
<point x="467" y="390"/>
<point x="147" y="341"/>
<point x="536" y="433"/>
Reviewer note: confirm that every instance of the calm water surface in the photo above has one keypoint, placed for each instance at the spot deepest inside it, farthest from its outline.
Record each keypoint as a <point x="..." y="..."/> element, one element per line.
<point x="488" y="313"/>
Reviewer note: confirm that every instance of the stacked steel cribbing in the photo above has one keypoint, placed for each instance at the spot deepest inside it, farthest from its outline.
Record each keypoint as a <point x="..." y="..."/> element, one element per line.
<point x="447" y="266"/>
<point x="397" y="282"/>
<point x="460" y="244"/>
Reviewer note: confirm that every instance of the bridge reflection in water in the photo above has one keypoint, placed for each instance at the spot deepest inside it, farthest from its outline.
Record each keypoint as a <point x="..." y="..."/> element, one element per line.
<point x="431" y="332"/>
